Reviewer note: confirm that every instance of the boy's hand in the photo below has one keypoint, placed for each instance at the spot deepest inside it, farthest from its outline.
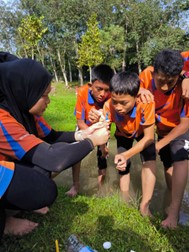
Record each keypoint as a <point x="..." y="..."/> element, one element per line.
<point x="94" y="115"/>
<point x="185" y="88"/>
<point x="145" y="96"/>
<point x="104" y="150"/>
<point x="120" y="161"/>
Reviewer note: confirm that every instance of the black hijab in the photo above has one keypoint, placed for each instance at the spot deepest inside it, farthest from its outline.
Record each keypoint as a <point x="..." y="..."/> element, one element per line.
<point x="6" y="56"/>
<point x="22" y="83"/>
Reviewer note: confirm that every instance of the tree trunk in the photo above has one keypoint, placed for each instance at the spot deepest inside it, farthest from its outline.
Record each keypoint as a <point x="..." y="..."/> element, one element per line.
<point x="70" y="71"/>
<point x="32" y="51"/>
<point x="62" y="68"/>
<point x="54" y="69"/>
<point x="80" y="76"/>
<point x="41" y="56"/>
<point x="90" y="71"/>
<point x="138" y="58"/>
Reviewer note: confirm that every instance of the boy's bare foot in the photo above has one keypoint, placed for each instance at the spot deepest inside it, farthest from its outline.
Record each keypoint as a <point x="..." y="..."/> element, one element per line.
<point x="73" y="191"/>
<point x="43" y="210"/>
<point x="16" y="226"/>
<point x="170" y="222"/>
<point x="145" y="211"/>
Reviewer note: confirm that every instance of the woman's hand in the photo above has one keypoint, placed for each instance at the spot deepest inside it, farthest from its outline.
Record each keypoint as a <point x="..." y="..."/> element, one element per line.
<point x="100" y="135"/>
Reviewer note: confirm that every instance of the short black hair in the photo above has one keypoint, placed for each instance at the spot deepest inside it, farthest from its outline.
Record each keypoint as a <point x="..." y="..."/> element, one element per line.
<point x="169" y="62"/>
<point x="125" y="83"/>
<point x="102" y="73"/>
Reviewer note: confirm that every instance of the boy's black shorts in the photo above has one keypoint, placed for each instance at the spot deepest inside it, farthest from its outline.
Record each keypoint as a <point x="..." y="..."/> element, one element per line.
<point x="177" y="150"/>
<point x="102" y="161"/>
<point x="124" y="144"/>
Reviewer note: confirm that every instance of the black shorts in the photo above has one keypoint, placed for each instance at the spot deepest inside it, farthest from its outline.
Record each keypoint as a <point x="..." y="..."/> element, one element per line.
<point x="102" y="161"/>
<point x="124" y="144"/>
<point x="177" y="150"/>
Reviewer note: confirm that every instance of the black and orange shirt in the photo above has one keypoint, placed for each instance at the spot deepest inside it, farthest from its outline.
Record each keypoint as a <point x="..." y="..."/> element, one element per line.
<point x="185" y="56"/>
<point x="131" y="125"/>
<point x="85" y="102"/>
<point x="15" y="141"/>
<point x="169" y="107"/>
<point x="6" y="174"/>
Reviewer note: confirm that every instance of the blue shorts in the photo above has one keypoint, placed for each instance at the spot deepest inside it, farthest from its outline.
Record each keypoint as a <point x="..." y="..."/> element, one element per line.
<point x="177" y="150"/>
<point x="124" y="144"/>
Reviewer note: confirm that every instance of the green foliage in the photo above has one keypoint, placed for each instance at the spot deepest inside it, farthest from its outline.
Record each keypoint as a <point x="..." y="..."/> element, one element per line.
<point x="89" y="50"/>
<point x="113" y="43"/>
<point x="31" y="31"/>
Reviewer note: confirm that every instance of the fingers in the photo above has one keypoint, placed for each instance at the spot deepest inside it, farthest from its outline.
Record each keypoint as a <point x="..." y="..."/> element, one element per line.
<point x="120" y="162"/>
<point x="94" y="115"/>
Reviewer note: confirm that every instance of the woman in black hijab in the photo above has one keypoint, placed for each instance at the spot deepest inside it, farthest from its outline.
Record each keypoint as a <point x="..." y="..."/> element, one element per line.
<point x="27" y="140"/>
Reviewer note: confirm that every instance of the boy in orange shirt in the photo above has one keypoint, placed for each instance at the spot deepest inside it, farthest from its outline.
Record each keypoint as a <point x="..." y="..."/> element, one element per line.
<point x="172" y="121"/>
<point x="134" y="121"/>
<point x="92" y="96"/>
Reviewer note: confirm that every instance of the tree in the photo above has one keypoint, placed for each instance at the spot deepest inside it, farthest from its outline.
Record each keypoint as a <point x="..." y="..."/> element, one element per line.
<point x="89" y="50"/>
<point x="31" y="31"/>
<point x="113" y="43"/>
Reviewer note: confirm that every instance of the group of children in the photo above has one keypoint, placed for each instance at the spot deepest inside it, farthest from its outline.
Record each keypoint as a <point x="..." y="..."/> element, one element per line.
<point x="156" y="99"/>
<point x="155" y="103"/>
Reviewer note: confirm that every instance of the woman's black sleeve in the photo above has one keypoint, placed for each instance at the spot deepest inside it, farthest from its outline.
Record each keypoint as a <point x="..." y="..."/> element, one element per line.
<point x="60" y="136"/>
<point x="59" y="156"/>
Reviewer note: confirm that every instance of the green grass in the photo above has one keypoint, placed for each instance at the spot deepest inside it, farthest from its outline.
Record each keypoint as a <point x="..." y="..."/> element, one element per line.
<point x="96" y="220"/>
<point x="93" y="219"/>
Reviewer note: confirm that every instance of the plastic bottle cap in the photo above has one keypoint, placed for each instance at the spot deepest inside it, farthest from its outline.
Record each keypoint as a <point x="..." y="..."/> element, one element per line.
<point x="107" y="245"/>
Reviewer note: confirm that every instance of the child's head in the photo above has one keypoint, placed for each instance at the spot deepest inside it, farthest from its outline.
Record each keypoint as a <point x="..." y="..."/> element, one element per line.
<point x="124" y="88"/>
<point x="101" y="77"/>
<point x="24" y="82"/>
<point x="168" y="65"/>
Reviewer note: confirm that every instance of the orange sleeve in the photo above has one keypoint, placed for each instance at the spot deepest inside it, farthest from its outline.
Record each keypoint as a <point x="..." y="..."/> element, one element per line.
<point x="146" y="77"/>
<point x="149" y="113"/>
<point x="185" y="56"/>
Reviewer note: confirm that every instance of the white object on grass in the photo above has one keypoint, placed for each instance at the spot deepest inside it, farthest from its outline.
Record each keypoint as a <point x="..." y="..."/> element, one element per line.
<point x="107" y="245"/>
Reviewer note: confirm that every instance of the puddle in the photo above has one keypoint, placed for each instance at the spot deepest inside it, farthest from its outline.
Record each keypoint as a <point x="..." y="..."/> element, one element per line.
<point x="89" y="186"/>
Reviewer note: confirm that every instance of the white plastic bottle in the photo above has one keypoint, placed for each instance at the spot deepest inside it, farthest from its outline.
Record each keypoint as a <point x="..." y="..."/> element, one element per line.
<point x="75" y="245"/>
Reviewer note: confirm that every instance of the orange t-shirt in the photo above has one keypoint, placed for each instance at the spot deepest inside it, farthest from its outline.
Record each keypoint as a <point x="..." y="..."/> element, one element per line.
<point x="85" y="102"/>
<point x="185" y="56"/>
<point x="6" y="174"/>
<point x="15" y="140"/>
<point x="169" y="107"/>
<point x="131" y="124"/>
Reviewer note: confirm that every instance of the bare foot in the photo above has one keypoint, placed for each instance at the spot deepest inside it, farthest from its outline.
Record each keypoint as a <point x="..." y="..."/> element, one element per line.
<point x="16" y="226"/>
<point x="169" y="222"/>
<point x="145" y="211"/>
<point x="73" y="191"/>
<point x="43" y="210"/>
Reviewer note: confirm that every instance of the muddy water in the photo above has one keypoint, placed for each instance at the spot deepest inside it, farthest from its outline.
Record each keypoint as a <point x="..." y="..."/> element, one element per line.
<point x="89" y="186"/>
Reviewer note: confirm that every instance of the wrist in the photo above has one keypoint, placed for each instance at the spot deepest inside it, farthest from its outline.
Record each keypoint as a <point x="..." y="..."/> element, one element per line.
<point x="185" y="75"/>
<point x="79" y="136"/>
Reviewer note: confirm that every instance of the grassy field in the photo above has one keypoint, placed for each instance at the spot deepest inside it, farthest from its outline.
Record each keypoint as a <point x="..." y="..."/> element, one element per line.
<point x="93" y="219"/>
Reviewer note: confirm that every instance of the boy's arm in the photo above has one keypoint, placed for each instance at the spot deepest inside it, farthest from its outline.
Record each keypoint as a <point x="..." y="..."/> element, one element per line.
<point x="81" y="124"/>
<point x="147" y="139"/>
<point x="185" y="84"/>
<point x="179" y="130"/>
